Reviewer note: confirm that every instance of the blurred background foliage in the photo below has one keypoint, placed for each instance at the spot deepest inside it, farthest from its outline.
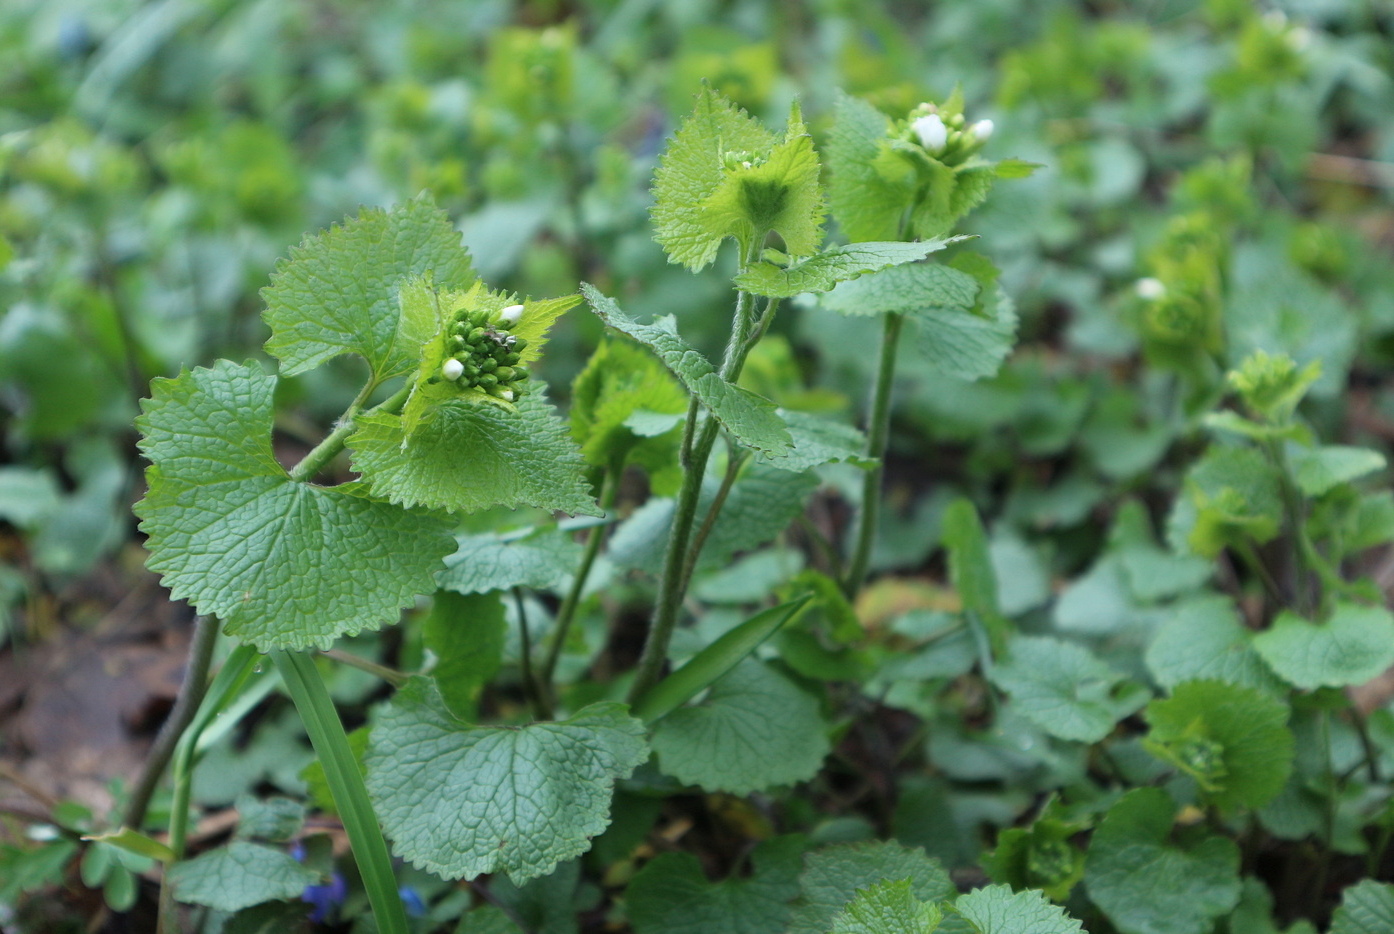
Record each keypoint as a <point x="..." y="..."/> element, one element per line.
<point x="1218" y="178"/>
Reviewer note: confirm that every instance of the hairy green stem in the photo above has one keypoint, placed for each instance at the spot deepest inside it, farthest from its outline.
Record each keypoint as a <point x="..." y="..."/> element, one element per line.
<point x="877" y="437"/>
<point x="335" y="441"/>
<point x="566" y="613"/>
<point x="694" y="551"/>
<point x="1300" y="546"/>
<point x="191" y="694"/>
<point x="696" y="450"/>
<point x="345" y="780"/>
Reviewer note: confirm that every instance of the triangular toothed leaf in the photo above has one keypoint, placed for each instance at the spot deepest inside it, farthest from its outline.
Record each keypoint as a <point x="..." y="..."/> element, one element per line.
<point x="317" y="312"/>
<point x="822" y="271"/>
<point x="542" y="560"/>
<point x="692" y="168"/>
<point x="461" y="800"/>
<point x="751" y="419"/>
<point x="775" y="192"/>
<point x="996" y="909"/>
<point x="284" y="564"/>
<point x="819" y="440"/>
<point x="466" y="456"/>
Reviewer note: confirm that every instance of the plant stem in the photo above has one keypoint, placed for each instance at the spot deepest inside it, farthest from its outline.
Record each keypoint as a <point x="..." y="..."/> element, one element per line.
<point x="566" y="613"/>
<point x="878" y="434"/>
<point x="1300" y="545"/>
<point x="345" y="779"/>
<point x="539" y="706"/>
<point x="695" y="451"/>
<point x="186" y="704"/>
<point x="391" y="675"/>
<point x="694" y="551"/>
<point x="334" y="442"/>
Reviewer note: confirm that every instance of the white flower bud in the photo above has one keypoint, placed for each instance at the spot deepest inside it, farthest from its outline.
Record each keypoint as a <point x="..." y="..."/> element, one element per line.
<point x="982" y="130"/>
<point x="932" y="132"/>
<point x="506" y="395"/>
<point x="511" y="314"/>
<point x="1150" y="289"/>
<point x="452" y="369"/>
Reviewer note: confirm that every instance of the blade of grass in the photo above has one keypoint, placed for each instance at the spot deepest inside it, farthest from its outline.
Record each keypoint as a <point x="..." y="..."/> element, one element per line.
<point x="331" y="744"/>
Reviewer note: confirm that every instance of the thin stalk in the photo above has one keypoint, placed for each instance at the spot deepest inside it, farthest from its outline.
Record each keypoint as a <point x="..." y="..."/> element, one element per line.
<point x="696" y="450"/>
<point x="704" y="531"/>
<point x="566" y="613"/>
<point x="1300" y="545"/>
<point x="226" y="686"/>
<point x="334" y="442"/>
<point x="331" y="745"/>
<point x="878" y="434"/>
<point x="1367" y="745"/>
<point x="538" y="704"/>
<point x="191" y="694"/>
<point x="391" y="675"/>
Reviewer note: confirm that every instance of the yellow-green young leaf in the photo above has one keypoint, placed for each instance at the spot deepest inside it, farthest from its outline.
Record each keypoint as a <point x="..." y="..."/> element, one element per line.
<point x="1351" y="647"/>
<point x="1063" y="689"/>
<point x="671" y="894"/>
<point x="1041" y="856"/>
<point x="778" y="192"/>
<point x="467" y="455"/>
<point x="1148" y="884"/>
<point x="135" y="842"/>
<point x="866" y="204"/>
<point x="1232" y="497"/>
<point x="337" y="292"/>
<point x="754" y="730"/>
<point x="238" y="876"/>
<point x="283" y="564"/>
<point x="996" y="909"/>
<point x="693" y="167"/>
<point x="461" y="800"/>
<point x="751" y="419"/>
<point x="466" y="634"/>
<point x="833" y="875"/>
<point x="724" y="175"/>
<point x="822" y="271"/>
<point x="622" y="380"/>
<point x="1233" y="740"/>
<point x="887" y="908"/>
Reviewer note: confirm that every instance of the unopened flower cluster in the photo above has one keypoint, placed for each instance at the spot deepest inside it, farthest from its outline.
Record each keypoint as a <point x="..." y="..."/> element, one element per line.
<point x="485" y="354"/>
<point x="947" y="136"/>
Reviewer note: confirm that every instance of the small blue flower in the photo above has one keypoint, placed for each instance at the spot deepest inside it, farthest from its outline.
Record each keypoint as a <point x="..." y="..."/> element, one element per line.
<point x="416" y="908"/>
<point x="325" y="897"/>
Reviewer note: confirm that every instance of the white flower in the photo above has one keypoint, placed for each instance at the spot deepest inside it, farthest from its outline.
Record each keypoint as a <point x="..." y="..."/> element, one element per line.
<point x="981" y="130"/>
<point x="452" y="369"/>
<point x="931" y="131"/>
<point x="511" y="314"/>
<point x="506" y="395"/>
<point x="1150" y="289"/>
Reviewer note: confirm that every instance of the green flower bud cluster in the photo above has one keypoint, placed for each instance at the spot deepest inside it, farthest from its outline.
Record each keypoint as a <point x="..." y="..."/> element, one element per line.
<point x="486" y="355"/>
